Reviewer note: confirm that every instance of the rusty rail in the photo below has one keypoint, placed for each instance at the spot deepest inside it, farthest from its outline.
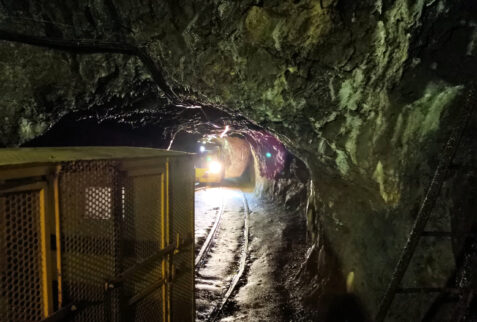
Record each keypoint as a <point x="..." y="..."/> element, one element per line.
<point x="243" y="261"/>
<point x="207" y="243"/>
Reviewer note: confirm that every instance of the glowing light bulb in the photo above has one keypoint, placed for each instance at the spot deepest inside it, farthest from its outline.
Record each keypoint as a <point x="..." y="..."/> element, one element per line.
<point x="215" y="167"/>
<point x="202" y="148"/>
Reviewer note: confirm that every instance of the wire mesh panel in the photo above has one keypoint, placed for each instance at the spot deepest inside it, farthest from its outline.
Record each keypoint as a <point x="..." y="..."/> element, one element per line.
<point x="21" y="293"/>
<point x="112" y="242"/>
<point x="182" y="223"/>
<point x="143" y="230"/>
<point x="90" y="214"/>
<point x="103" y="242"/>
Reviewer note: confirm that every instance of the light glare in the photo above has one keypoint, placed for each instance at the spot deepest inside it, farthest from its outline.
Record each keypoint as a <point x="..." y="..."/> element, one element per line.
<point x="215" y="167"/>
<point x="225" y="131"/>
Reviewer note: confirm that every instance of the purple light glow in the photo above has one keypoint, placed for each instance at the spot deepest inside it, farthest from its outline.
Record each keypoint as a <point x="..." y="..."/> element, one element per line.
<point x="263" y="143"/>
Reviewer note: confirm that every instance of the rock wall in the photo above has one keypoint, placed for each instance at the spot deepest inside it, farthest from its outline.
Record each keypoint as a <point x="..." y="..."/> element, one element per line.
<point x="289" y="187"/>
<point x="363" y="92"/>
<point x="237" y="156"/>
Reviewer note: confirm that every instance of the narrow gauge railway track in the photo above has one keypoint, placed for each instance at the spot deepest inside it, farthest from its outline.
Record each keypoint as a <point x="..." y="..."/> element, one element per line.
<point x="222" y="258"/>
<point x="207" y="243"/>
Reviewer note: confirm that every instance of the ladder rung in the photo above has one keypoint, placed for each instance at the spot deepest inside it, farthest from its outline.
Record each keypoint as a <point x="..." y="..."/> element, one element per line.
<point x="429" y="201"/>
<point x="407" y="290"/>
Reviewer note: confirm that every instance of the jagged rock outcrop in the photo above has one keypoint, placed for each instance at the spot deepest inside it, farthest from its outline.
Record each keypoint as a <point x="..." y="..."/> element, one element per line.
<point x="364" y="92"/>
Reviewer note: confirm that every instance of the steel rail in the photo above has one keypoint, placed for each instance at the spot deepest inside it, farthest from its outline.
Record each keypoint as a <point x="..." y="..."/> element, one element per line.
<point x="206" y="245"/>
<point x="243" y="261"/>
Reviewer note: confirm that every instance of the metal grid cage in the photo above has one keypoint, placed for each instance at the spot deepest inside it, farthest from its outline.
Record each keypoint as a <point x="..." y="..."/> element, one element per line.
<point x="182" y="217"/>
<point x="143" y="233"/>
<point x="90" y="238"/>
<point x="98" y="236"/>
<point x="21" y="292"/>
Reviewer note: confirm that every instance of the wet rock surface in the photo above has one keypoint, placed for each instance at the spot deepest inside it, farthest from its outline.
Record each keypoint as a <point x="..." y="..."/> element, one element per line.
<point x="363" y="92"/>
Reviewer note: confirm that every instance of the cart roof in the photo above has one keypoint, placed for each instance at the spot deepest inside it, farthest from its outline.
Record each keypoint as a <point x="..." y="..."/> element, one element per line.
<point x="17" y="156"/>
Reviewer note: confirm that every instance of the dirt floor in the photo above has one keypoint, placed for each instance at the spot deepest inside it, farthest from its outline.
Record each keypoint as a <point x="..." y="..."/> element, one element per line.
<point x="220" y="264"/>
<point x="276" y="251"/>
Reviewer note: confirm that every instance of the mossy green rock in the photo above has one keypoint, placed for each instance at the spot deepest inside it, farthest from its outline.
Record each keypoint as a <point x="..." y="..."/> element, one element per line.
<point x="351" y="87"/>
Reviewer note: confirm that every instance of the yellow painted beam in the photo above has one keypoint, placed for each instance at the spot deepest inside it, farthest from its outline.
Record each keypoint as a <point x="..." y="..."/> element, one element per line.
<point x="56" y="197"/>
<point x="45" y="257"/>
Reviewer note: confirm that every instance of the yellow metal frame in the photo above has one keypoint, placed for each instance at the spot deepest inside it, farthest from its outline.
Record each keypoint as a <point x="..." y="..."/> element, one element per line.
<point x="192" y="229"/>
<point x="163" y="245"/>
<point x="44" y="178"/>
<point x="56" y="207"/>
<point x="41" y="187"/>
<point x="45" y="256"/>
<point x="147" y="168"/>
<point x="8" y="173"/>
<point x="166" y="292"/>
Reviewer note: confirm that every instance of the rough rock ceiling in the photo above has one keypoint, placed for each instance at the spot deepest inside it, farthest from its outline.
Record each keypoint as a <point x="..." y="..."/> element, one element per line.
<point x="362" y="91"/>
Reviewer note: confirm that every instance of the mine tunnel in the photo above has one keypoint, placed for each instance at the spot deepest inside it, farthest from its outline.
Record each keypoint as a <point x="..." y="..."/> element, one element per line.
<point x="305" y="160"/>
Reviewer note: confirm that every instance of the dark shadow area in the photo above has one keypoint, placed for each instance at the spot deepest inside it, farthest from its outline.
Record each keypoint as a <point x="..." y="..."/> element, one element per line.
<point x="346" y="308"/>
<point x="71" y="131"/>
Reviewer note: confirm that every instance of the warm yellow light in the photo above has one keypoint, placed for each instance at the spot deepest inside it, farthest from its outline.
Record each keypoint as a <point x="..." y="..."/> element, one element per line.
<point x="349" y="282"/>
<point x="215" y="167"/>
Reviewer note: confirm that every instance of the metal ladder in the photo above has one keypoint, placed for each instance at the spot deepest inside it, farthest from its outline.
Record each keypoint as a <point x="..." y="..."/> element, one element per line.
<point x="418" y="229"/>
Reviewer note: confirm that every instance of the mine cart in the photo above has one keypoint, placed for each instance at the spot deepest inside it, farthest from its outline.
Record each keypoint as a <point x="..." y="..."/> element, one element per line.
<point x="96" y="234"/>
<point x="209" y="165"/>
